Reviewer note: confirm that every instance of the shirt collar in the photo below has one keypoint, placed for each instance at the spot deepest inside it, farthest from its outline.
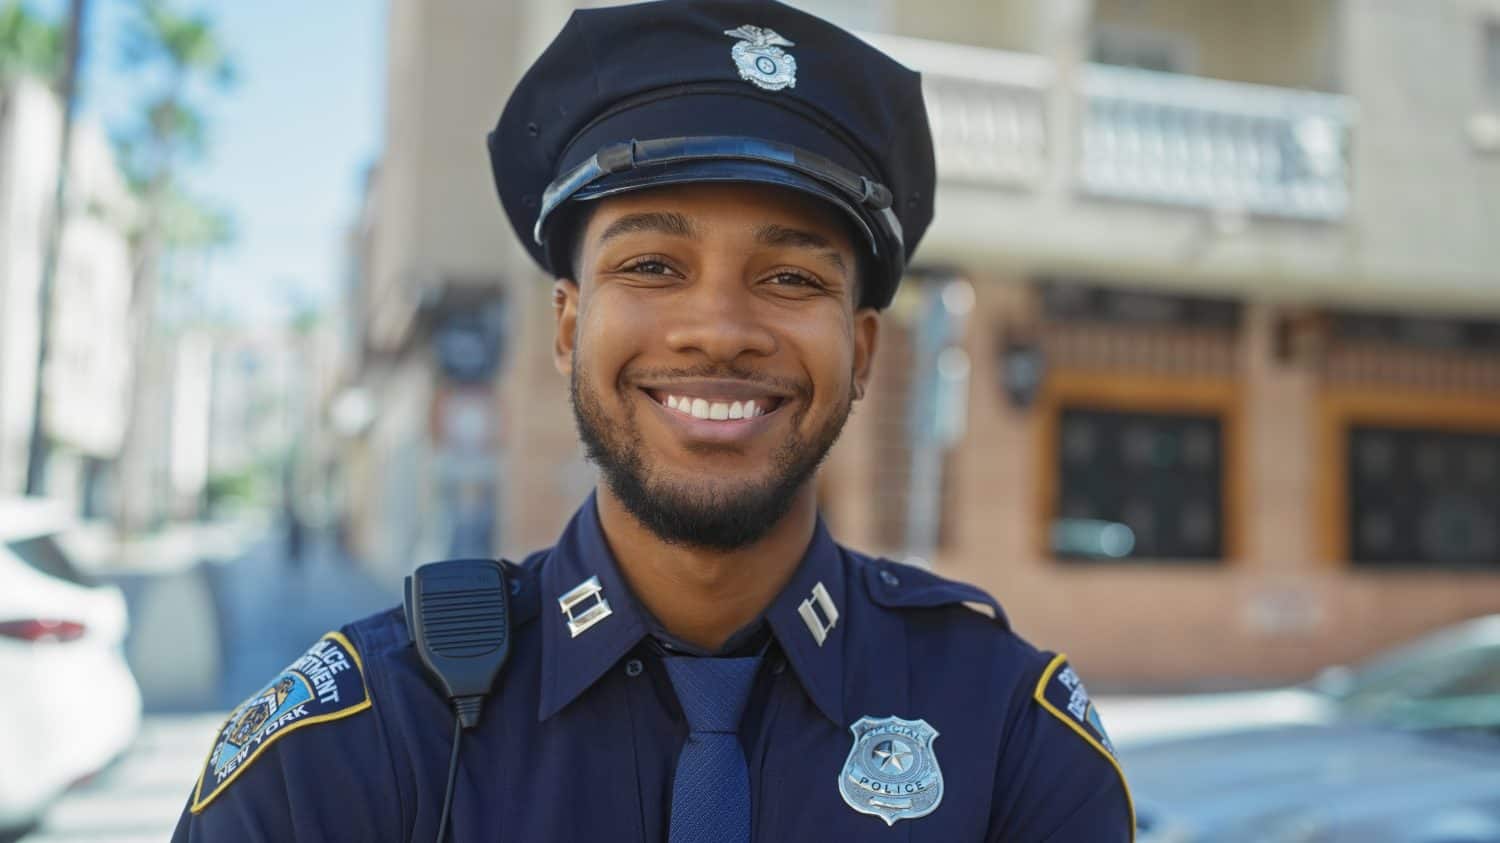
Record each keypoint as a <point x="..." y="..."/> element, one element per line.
<point x="810" y="607"/>
<point x="572" y="663"/>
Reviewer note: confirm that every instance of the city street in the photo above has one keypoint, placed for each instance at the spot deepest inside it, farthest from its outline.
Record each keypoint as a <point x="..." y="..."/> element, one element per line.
<point x="1173" y="325"/>
<point x="265" y="612"/>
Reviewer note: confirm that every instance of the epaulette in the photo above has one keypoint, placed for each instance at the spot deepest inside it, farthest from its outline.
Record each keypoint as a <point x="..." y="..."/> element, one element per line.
<point x="525" y="587"/>
<point x="897" y="586"/>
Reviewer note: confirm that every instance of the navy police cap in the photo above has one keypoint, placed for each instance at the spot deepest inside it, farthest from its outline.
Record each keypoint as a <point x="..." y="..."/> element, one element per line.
<point x="649" y="94"/>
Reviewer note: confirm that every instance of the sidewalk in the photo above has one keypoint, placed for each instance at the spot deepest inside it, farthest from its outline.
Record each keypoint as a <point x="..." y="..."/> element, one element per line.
<point x="208" y="636"/>
<point x="272" y="610"/>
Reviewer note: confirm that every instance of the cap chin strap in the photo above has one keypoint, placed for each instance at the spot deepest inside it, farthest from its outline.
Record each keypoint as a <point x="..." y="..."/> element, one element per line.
<point x="635" y="154"/>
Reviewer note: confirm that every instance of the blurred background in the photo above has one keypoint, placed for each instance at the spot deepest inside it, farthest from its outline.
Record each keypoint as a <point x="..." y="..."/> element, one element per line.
<point x="1198" y="371"/>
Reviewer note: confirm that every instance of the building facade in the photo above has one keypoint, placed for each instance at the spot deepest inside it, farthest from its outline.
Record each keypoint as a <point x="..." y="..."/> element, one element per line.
<point x="1198" y="369"/>
<point x="88" y="372"/>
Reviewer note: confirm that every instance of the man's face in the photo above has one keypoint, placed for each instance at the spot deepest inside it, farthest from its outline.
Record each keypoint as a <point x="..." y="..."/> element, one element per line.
<point x="714" y="349"/>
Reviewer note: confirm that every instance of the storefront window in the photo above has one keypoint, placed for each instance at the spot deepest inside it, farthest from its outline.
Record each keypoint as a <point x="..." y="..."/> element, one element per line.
<point x="1423" y="496"/>
<point x="1139" y="485"/>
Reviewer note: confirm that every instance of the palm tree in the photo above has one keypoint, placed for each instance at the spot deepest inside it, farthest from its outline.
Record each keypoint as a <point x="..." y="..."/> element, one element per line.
<point x="29" y="45"/>
<point x="185" y="52"/>
<point x="34" y="47"/>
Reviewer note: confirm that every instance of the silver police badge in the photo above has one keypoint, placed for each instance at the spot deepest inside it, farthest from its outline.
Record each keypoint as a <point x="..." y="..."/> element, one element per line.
<point x="761" y="60"/>
<point x="891" y="771"/>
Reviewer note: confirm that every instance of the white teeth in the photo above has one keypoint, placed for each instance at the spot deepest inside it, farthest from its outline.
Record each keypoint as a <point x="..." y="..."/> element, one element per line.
<point x="702" y="408"/>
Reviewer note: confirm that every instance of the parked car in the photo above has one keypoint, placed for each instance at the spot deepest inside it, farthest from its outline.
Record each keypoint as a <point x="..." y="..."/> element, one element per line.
<point x="1405" y="749"/>
<point x="70" y="704"/>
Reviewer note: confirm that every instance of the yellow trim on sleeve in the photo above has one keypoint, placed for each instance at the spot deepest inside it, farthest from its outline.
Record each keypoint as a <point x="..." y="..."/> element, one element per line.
<point x="200" y="801"/>
<point x="1041" y="697"/>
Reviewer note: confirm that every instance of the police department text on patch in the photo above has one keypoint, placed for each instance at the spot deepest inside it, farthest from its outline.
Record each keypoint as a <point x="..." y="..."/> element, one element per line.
<point x="325" y="683"/>
<point x="1062" y="693"/>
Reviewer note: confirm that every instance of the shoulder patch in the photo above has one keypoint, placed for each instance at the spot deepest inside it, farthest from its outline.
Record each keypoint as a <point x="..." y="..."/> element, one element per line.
<point x="326" y="683"/>
<point x="898" y="586"/>
<point x="1060" y="692"/>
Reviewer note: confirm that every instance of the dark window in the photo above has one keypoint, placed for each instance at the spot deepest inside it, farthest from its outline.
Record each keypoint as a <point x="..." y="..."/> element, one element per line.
<point x="1139" y="485"/>
<point x="1424" y="497"/>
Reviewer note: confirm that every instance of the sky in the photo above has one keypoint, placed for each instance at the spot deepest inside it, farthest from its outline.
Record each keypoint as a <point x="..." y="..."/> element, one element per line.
<point x="287" y="147"/>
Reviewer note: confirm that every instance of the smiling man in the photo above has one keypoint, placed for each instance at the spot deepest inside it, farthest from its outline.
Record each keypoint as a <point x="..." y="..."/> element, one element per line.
<point x="727" y="194"/>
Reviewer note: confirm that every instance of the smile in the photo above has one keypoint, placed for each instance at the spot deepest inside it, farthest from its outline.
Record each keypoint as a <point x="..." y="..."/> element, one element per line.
<point x="715" y="400"/>
<point x="703" y="408"/>
<point x="716" y="411"/>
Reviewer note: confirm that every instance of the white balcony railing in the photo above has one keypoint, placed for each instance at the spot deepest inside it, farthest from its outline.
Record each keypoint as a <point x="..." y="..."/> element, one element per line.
<point x="987" y="109"/>
<point x="1143" y="136"/>
<point x="1186" y="140"/>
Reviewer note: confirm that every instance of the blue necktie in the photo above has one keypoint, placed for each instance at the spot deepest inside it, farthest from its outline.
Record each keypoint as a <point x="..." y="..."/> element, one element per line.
<point x="711" y="789"/>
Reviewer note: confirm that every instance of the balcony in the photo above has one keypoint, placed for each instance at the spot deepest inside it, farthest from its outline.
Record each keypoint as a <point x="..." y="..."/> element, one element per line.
<point x="1140" y="136"/>
<point x="987" y="110"/>
<point x="1204" y="143"/>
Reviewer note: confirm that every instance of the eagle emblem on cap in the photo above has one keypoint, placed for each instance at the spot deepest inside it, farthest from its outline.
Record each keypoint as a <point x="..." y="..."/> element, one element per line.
<point x="760" y="59"/>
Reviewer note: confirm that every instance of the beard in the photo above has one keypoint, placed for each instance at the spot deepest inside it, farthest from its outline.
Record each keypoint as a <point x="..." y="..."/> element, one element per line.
<point x="703" y="513"/>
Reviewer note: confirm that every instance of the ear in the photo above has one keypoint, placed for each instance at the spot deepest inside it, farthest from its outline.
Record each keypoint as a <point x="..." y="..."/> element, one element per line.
<point x="565" y="336"/>
<point x="866" y="337"/>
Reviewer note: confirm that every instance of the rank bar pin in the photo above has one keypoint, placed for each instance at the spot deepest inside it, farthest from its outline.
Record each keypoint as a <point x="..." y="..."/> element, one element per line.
<point x="589" y="589"/>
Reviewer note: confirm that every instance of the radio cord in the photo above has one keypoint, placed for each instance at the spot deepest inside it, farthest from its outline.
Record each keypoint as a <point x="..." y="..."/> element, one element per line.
<point x="458" y="733"/>
<point x="466" y="711"/>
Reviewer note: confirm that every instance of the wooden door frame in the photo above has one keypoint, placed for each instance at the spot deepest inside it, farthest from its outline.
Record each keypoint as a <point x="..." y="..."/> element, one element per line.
<point x="1341" y="408"/>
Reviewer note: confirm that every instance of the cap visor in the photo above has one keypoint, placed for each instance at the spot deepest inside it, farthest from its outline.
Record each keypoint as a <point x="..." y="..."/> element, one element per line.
<point x="732" y="171"/>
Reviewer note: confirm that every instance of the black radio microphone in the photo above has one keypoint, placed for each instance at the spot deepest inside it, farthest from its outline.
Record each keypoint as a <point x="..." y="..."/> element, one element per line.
<point x="458" y="616"/>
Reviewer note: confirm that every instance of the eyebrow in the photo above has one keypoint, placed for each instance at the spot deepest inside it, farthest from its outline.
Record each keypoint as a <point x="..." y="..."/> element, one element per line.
<point x="657" y="222"/>
<point x="773" y="234"/>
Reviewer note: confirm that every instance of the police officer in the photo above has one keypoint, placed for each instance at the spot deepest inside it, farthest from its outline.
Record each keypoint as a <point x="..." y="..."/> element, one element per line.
<point x="728" y="193"/>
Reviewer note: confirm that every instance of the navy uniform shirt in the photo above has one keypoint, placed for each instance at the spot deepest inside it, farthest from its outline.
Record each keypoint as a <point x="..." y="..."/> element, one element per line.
<point x="579" y="738"/>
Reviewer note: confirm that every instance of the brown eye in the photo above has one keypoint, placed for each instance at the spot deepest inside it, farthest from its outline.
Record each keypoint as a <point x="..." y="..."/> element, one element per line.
<point x="793" y="279"/>
<point x="649" y="267"/>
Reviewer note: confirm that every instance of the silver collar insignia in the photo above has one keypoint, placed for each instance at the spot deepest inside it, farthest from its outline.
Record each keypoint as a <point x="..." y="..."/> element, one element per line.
<point x="594" y="612"/>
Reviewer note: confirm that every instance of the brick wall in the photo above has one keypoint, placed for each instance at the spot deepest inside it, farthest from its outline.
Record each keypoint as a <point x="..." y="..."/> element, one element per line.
<point x="1278" y="610"/>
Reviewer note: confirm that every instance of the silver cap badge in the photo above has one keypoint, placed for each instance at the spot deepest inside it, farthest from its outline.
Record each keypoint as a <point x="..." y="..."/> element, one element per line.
<point x="891" y="771"/>
<point x="760" y="58"/>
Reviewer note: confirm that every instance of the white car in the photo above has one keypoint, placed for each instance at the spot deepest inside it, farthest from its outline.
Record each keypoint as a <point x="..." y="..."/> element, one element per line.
<point x="69" y="704"/>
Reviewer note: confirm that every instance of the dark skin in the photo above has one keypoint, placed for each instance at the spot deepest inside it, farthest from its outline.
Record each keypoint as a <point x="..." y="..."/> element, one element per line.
<point x="714" y="291"/>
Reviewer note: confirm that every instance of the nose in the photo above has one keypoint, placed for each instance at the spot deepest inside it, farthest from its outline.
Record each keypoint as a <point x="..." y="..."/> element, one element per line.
<point x="718" y="318"/>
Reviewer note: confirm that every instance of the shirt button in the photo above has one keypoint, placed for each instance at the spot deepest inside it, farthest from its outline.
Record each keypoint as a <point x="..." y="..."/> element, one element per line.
<point x="778" y="667"/>
<point x="633" y="668"/>
<point x="890" y="579"/>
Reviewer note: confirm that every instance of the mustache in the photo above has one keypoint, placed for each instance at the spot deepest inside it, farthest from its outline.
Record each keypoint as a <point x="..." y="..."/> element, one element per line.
<point x="793" y="386"/>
